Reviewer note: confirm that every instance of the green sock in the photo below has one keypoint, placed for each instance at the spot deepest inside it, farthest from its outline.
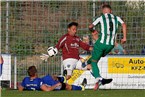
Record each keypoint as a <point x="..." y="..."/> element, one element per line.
<point x="95" y="69"/>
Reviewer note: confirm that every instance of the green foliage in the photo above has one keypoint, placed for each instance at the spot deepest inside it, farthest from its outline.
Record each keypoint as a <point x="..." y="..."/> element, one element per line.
<point x="22" y="47"/>
<point x="41" y="24"/>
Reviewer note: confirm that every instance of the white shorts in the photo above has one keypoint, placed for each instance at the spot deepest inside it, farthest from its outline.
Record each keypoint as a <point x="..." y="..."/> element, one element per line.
<point x="69" y="65"/>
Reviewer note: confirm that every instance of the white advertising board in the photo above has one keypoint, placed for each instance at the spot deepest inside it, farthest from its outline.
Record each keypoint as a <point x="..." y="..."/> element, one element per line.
<point x="128" y="72"/>
<point x="6" y="68"/>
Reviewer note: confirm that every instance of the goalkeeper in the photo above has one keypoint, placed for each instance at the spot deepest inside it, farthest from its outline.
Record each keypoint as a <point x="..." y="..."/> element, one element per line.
<point x="109" y="24"/>
<point x="70" y="44"/>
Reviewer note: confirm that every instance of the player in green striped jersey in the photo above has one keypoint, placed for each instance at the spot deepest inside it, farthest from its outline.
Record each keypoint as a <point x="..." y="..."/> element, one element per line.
<point x="109" y="24"/>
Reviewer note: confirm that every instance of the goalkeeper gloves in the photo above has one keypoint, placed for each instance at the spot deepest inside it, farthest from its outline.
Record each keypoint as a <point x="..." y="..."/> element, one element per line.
<point x="51" y="52"/>
<point x="44" y="57"/>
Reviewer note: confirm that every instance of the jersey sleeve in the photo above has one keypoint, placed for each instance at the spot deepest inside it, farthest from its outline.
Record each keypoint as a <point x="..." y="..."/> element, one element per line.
<point x="120" y="21"/>
<point x="96" y="21"/>
<point x="61" y="42"/>
<point x="23" y="84"/>
<point x="84" y="45"/>
<point x="41" y="82"/>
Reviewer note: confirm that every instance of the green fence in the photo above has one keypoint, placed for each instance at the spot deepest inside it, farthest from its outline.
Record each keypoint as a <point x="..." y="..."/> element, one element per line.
<point x="28" y="28"/>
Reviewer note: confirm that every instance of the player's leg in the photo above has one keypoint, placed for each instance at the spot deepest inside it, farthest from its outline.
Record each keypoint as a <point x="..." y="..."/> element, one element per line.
<point x="107" y="50"/>
<point x="69" y="65"/>
<point x="99" y="50"/>
<point x="95" y="69"/>
<point x="77" y="87"/>
<point x="97" y="53"/>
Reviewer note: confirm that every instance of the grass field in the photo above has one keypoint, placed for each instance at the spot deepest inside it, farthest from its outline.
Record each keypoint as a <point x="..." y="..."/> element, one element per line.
<point x="86" y="93"/>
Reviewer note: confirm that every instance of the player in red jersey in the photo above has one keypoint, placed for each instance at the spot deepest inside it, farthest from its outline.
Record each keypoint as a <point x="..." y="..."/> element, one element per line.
<point x="70" y="44"/>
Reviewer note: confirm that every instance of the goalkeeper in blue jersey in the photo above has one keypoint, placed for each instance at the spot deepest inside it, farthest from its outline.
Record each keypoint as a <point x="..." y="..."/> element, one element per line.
<point x="109" y="24"/>
<point x="46" y="83"/>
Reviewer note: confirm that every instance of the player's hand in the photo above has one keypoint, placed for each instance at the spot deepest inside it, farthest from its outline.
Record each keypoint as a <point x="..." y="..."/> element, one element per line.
<point x="58" y="84"/>
<point x="52" y="51"/>
<point x="44" y="57"/>
<point x="123" y="41"/>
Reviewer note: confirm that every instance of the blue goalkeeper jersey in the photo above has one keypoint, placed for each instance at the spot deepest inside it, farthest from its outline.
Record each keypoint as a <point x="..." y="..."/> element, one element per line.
<point x="30" y="84"/>
<point x="48" y="80"/>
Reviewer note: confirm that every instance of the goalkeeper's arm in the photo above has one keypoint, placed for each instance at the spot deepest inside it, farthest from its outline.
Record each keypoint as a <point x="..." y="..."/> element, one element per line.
<point x="51" y="52"/>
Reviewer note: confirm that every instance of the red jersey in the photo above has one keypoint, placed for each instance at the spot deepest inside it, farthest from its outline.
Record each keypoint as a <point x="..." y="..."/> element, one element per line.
<point x="70" y="46"/>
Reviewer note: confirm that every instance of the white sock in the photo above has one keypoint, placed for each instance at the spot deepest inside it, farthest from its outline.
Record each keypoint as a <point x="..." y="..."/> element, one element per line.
<point x="98" y="78"/>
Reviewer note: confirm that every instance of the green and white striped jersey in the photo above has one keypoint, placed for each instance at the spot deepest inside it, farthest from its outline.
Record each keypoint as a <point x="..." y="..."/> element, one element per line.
<point x="109" y="25"/>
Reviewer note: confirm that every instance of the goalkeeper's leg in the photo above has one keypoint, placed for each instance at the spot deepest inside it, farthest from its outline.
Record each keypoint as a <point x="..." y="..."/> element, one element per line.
<point x="69" y="65"/>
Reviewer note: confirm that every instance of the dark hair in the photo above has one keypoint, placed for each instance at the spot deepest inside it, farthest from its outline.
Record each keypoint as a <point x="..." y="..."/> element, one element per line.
<point x="106" y="6"/>
<point x="72" y="24"/>
<point x="32" y="71"/>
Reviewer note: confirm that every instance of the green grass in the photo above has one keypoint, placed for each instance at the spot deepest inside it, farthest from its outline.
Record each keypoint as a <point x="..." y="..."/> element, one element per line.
<point x="86" y="93"/>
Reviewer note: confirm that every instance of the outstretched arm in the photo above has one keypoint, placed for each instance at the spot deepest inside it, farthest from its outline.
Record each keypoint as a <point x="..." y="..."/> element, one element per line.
<point x="51" y="52"/>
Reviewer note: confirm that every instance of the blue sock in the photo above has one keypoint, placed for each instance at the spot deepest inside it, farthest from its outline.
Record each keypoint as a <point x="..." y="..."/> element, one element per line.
<point x="74" y="87"/>
<point x="1" y="66"/>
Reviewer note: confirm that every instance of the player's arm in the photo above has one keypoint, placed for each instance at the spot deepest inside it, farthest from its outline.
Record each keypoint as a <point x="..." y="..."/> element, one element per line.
<point x="22" y="85"/>
<point x="1" y="60"/>
<point x="49" y="88"/>
<point x="91" y="26"/>
<point x="85" y="46"/>
<point x="20" y="88"/>
<point x="61" y="42"/>
<point x="52" y="51"/>
<point x="123" y="40"/>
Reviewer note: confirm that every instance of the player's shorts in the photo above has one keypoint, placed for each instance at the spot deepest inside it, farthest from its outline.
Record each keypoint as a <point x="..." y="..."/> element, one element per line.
<point x="69" y="65"/>
<point x="100" y="50"/>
